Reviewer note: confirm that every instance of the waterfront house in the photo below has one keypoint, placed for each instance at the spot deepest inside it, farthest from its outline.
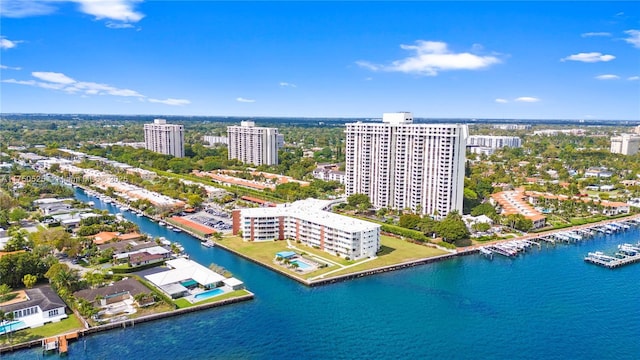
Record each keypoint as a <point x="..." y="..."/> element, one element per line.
<point x="612" y="208"/>
<point x="34" y="307"/>
<point x="146" y="258"/>
<point x="184" y="274"/>
<point x="119" y="291"/>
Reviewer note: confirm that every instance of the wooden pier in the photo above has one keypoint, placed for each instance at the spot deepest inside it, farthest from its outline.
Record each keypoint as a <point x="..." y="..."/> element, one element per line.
<point x="60" y="343"/>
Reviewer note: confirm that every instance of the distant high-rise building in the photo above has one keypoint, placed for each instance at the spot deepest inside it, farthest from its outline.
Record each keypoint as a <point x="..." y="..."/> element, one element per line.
<point x="164" y="138"/>
<point x="401" y="165"/>
<point x="253" y="145"/>
<point x="637" y="130"/>
<point x="215" y="140"/>
<point x="494" y="142"/>
<point x="512" y="126"/>
<point x="626" y="144"/>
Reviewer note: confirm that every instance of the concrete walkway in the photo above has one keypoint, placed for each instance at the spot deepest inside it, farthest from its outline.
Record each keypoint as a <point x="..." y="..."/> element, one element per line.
<point x="343" y="268"/>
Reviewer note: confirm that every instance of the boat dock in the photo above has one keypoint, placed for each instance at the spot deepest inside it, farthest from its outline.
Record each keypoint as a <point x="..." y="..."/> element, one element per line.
<point x="627" y="254"/>
<point x="512" y="248"/>
<point x="59" y="343"/>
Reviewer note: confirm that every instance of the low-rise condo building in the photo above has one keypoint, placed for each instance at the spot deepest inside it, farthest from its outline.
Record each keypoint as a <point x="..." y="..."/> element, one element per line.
<point x="309" y="222"/>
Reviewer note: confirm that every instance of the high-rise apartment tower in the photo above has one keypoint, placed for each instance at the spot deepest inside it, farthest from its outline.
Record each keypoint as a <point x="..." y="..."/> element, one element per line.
<point x="253" y="145"/>
<point x="402" y="165"/>
<point x="164" y="138"/>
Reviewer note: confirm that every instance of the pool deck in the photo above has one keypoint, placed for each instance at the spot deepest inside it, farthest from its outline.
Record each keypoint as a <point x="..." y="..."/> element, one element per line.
<point x="192" y="297"/>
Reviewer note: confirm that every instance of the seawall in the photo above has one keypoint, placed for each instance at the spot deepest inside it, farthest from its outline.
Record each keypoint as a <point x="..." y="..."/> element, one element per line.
<point x="131" y="322"/>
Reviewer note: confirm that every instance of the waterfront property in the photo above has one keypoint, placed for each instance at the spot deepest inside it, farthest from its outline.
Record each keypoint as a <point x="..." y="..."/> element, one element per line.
<point x="186" y="278"/>
<point x="296" y="262"/>
<point x="393" y="252"/>
<point x="310" y="222"/>
<point x="32" y="308"/>
<point x="513" y="202"/>
<point x="117" y="298"/>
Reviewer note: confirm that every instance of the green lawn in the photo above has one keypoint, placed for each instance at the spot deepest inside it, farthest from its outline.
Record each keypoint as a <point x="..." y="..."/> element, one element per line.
<point x="184" y="303"/>
<point x="64" y="326"/>
<point x="265" y="252"/>
<point x="393" y="251"/>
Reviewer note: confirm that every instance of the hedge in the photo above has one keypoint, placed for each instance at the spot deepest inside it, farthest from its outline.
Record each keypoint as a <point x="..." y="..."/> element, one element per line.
<point x="397" y="230"/>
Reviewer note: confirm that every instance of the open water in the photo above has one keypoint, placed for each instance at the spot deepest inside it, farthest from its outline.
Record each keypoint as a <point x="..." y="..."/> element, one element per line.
<point x="547" y="304"/>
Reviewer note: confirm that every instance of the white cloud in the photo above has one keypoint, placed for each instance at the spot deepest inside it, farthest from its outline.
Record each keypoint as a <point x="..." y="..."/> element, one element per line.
<point x="431" y="57"/>
<point x="173" y="102"/>
<point x="114" y="25"/>
<point x="368" y="65"/>
<point x="119" y="10"/>
<point x="634" y="37"/>
<point x="633" y="78"/>
<point x="53" y="77"/>
<point x="22" y="8"/>
<point x="62" y="82"/>
<point x="501" y="101"/>
<point x="286" y="84"/>
<point x="241" y="99"/>
<point x="368" y="78"/>
<point x="593" y="34"/>
<point x="5" y="67"/>
<point x="607" y="77"/>
<point x="8" y="44"/>
<point x="590" y="57"/>
<point x="527" y="99"/>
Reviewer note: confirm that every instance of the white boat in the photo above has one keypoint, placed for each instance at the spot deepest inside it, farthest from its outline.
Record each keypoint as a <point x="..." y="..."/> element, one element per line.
<point x="208" y="243"/>
<point x="160" y="223"/>
<point x="177" y="230"/>
<point x="169" y="227"/>
<point x="139" y="214"/>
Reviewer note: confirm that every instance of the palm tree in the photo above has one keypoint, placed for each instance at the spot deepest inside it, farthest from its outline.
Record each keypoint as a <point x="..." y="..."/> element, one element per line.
<point x="5" y="319"/>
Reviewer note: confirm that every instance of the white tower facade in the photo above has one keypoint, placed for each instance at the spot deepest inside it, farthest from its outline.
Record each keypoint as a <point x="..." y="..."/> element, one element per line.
<point x="401" y="165"/>
<point x="164" y="138"/>
<point x="253" y="145"/>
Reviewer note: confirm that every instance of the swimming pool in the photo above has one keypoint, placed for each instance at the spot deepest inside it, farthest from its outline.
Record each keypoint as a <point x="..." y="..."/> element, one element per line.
<point x="302" y="265"/>
<point x="12" y="326"/>
<point x="208" y="294"/>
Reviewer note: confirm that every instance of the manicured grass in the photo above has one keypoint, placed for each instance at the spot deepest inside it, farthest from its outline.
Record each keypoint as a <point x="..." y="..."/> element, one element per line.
<point x="394" y="251"/>
<point x="183" y="303"/>
<point x="64" y="326"/>
<point x="322" y="254"/>
<point x="265" y="252"/>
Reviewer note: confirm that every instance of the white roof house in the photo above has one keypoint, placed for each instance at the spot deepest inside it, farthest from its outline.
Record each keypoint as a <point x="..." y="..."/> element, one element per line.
<point x="184" y="270"/>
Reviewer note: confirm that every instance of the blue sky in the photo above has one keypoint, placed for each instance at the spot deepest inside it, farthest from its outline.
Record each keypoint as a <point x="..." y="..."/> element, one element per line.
<point x="537" y="60"/>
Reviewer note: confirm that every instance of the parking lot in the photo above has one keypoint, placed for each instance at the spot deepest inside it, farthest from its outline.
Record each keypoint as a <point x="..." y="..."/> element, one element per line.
<point x="212" y="218"/>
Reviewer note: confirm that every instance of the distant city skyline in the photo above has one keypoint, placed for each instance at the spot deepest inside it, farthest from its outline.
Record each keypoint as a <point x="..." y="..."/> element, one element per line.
<point x="499" y="60"/>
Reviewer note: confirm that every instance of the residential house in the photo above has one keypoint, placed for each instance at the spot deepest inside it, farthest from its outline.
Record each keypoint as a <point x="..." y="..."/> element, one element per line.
<point x="34" y="307"/>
